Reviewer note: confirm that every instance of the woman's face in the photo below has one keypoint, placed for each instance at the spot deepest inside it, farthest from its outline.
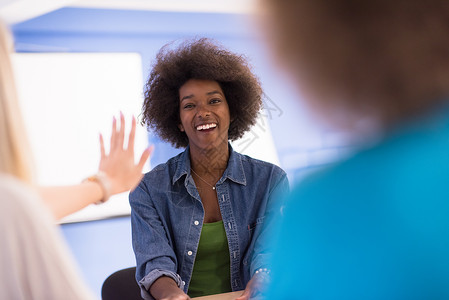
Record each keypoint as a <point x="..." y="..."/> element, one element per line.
<point x="204" y="113"/>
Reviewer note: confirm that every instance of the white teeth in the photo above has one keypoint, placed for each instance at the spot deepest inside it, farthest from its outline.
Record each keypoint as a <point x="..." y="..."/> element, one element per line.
<point x="206" y="126"/>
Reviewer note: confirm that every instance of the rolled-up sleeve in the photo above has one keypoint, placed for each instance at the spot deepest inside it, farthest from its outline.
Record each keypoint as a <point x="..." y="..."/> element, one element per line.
<point x="148" y="280"/>
<point x="152" y="244"/>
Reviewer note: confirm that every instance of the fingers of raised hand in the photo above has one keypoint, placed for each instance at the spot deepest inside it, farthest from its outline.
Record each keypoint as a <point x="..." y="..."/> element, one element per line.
<point x="118" y="135"/>
<point x="113" y="132"/>
<point x="145" y="155"/>
<point x="121" y="132"/>
<point x="102" y="150"/>
<point x="132" y="135"/>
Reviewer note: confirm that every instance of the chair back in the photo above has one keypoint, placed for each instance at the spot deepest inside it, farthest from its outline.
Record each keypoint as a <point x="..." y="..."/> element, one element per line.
<point x="121" y="285"/>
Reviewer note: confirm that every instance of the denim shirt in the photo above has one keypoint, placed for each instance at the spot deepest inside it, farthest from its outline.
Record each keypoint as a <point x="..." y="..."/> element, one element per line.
<point x="167" y="217"/>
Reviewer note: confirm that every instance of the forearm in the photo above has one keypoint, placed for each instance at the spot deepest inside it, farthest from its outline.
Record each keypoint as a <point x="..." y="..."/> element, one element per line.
<point x="166" y="288"/>
<point x="65" y="200"/>
<point x="117" y="173"/>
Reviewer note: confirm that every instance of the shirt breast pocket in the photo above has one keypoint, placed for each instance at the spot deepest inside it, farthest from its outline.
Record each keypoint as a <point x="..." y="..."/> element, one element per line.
<point x="253" y="226"/>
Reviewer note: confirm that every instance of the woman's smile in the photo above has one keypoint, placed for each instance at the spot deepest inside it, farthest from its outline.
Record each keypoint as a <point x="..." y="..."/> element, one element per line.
<point x="206" y="127"/>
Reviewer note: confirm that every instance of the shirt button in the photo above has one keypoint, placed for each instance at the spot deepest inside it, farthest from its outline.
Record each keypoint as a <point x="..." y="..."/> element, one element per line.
<point x="196" y="223"/>
<point x="183" y="282"/>
<point x="189" y="253"/>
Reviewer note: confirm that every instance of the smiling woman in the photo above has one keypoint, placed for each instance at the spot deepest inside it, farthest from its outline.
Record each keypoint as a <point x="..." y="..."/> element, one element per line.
<point x="200" y="59"/>
<point x="199" y="219"/>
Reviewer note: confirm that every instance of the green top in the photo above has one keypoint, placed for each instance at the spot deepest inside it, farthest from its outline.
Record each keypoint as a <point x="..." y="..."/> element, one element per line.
<point x="212" y="270"/>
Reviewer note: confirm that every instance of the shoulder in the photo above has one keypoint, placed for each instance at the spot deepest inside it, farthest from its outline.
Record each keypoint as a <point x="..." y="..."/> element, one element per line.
<point x="22" y="210"/>
<point x="158" y="179"/>
<point x="263" y="173"/>
<point x="172" y="163"/>
<point x="45" y="267"/>
<point x="388" y="194"/>
<point x="13" y="187"/>
<point x="260" y="165"/>
<point x="164" y="170"/>
<point x="401" y="166"/>
<point x="17" y="198"/>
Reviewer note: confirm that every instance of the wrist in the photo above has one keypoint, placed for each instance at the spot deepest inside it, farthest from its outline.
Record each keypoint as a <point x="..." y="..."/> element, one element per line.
<point x="165" y="287"/>
<point x="102" y="180"/>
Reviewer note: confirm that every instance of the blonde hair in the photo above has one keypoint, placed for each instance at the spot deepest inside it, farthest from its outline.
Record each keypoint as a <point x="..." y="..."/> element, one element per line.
<point x="15" y="156"/>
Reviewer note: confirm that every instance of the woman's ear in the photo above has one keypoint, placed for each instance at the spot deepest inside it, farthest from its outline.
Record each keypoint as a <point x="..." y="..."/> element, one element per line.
<point x="181" y="127"/>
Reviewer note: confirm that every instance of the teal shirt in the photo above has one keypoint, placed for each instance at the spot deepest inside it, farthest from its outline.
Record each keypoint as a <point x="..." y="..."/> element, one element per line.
<point x="375" y="226"/>
<point x="212" y="269"/>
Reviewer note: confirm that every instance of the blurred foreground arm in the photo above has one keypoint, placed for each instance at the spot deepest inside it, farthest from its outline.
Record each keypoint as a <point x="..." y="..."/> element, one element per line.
<point x="119" y="173"/>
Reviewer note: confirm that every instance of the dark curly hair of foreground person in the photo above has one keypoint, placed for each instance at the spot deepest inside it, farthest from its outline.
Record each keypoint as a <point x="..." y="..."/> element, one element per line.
<point x="199" y="59"/>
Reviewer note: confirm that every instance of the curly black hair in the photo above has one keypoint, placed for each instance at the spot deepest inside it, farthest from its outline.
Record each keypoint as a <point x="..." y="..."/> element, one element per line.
<point x="199" y="59"/>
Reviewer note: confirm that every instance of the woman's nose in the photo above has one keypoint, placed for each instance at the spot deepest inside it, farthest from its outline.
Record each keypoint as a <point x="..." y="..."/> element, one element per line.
<point x="203" y="111"/>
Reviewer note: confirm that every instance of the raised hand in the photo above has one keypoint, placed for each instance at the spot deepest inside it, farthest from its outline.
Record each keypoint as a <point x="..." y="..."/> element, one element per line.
<point x="118" y="165"/>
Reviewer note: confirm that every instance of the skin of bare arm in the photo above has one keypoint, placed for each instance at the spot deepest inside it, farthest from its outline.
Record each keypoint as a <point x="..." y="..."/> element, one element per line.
<point x="165" y="288"/>
<point x="118" y="165"/>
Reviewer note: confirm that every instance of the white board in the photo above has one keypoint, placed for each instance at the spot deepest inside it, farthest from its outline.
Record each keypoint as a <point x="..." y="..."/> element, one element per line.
<point x="67" y="99"/>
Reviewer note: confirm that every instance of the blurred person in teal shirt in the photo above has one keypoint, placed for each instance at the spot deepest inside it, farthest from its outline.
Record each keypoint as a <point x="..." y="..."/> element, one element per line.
<point x="376" y="225"/>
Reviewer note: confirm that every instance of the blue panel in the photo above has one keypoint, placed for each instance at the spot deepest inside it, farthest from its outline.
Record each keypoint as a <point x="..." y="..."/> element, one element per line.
<point x="100" y="248"/>
<point x="135" y="22"/>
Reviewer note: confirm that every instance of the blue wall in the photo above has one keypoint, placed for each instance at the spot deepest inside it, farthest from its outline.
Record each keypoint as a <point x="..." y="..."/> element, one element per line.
<point x="104" y="246"/>
<point x="100" y="248"/>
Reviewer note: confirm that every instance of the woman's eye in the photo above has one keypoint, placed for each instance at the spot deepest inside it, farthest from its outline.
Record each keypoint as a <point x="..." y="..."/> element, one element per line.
<point x="187" y="106"/>
<point x="213" y="101"/>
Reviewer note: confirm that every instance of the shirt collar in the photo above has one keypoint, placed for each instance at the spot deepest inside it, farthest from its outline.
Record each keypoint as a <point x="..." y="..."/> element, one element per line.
<point x="234" y="171"/>
<point x="182" y="165"/>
